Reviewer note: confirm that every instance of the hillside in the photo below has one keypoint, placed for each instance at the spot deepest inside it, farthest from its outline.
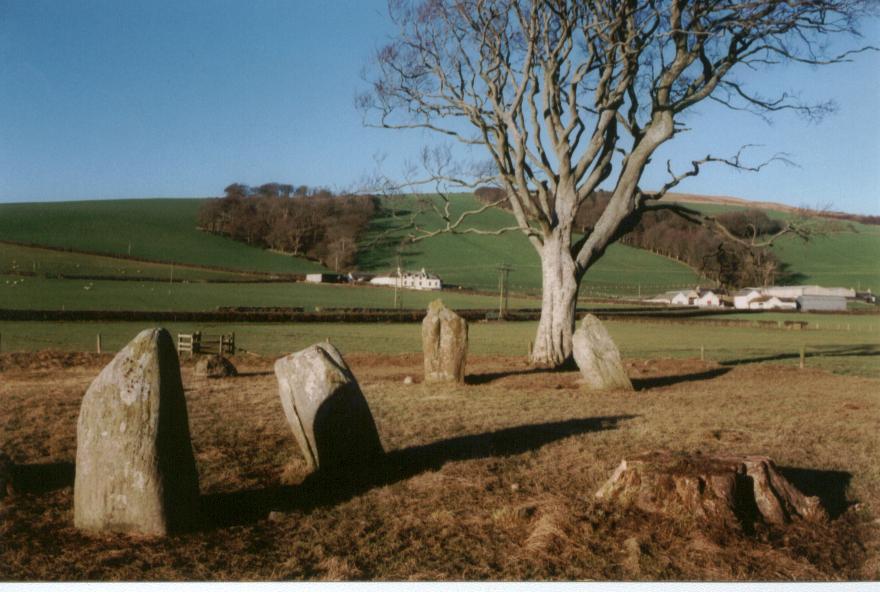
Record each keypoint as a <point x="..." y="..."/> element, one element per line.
<point x="153" y="229"/>
<point x="165" y="230"/>
<point x="842" y="253"/>
<point x="471" y="260"/>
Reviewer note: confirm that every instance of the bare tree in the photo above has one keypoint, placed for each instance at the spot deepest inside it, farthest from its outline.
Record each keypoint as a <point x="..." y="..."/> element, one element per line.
<point x="565" y="95"/>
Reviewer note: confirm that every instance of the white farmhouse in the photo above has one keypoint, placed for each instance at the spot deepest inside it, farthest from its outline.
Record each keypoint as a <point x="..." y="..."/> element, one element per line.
<point x="707" y="299"/>
<point x="413" y="280"/>
<point x="742" y="298"/>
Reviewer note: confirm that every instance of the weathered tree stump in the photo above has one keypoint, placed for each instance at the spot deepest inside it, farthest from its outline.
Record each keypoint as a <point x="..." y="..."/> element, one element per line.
<point x="215" y="366"/>
<point x="444" y="343"/>
<point x="723" y="490"/>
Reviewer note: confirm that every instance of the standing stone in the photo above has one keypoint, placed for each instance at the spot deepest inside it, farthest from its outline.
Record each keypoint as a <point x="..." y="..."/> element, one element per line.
<point x="444" y="342"/>
<point x="598" y="358"/>
<point x="326" y="410"/>
<point x="135" y="471"/>
<point x="215" y="366"/>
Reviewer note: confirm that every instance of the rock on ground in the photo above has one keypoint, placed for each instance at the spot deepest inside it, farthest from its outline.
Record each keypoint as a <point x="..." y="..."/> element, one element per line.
<point x="444" y="343"/>
<point x="135" y="471"/>
<point x="215" y="366"/>
<point x="598" y="358"/>
<point x="326" y="409"/>
<point x="723" y="490"/>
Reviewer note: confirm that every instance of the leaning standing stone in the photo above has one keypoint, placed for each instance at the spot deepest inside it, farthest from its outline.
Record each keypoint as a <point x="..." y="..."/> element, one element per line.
<point x="444" y="342"/>
<point x="597" y="357"/>
<point x="326" y="410"/>
<point x="135" y="471"/>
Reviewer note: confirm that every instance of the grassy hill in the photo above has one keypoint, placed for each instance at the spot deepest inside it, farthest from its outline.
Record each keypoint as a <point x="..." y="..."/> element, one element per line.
<point x="471" y="260"/>
<point x="165" y="230"/>
<point x="842" y="253"/>
<point x="155" y="229"/>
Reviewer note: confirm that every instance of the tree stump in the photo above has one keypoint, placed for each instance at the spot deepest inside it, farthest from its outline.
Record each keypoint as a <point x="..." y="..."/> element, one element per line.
<point x="724" y="490"/>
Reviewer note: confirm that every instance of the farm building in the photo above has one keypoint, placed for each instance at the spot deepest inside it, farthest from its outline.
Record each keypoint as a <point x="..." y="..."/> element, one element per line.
<point x="418" y="280"/>
<point x="707" y="299"/>
<point x="772" y="303"/>
<point x="675" y="297"/>
<point x="743" y="298"/>
<point x="796" y="291"/>
<point x="810" y="302"/>
<point x="326" y="278"/>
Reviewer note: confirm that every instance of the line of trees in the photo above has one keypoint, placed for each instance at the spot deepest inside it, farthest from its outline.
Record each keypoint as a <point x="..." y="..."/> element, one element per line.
<point x="299" y="220"/>
<point x="714" y="256"/>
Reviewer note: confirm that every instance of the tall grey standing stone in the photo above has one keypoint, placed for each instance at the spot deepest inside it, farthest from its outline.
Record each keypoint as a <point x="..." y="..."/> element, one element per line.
<point x="135" y="471"/>
<point x="326" y="409"/>
<point x="598" y="358"/>
<point x="444" y="343"/>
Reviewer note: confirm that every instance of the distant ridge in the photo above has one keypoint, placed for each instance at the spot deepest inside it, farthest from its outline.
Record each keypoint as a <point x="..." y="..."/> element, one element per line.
<point x="727" y="200"/>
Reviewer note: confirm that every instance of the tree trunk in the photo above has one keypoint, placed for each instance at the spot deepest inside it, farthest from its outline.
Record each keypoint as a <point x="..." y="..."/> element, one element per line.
<point x="553" y="347"/>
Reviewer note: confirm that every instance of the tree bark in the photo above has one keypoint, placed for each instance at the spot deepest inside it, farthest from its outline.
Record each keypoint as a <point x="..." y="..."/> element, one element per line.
<point x="553" y="345"/>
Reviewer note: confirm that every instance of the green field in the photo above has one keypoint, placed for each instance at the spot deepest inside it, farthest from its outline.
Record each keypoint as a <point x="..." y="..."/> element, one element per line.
<point x="471" y="260"/>
<point x="831" y="348"/>
<point x="17" y="259"/>
<point x="155" y="229"/>
<point x="54" y="294"/>
<point x="840" y="253"/>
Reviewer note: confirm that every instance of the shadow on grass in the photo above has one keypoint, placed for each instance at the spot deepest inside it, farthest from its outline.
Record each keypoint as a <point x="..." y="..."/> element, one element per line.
<point x="487" y="377"/>
<point x="641" y="384"/>
<point x="836" y="351"/>
<point x="44" y="477"/>
<point x="325" y="489"/>
<point x="828" y="486"/>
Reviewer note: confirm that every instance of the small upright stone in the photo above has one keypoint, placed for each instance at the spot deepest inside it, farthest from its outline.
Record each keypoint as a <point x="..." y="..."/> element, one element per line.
<point x="326" y="409"/>
<point x="444" y="343"/>
<point x="598" y="358"/>
<point x="135" y="471"/>
<point x="215" y="366"/>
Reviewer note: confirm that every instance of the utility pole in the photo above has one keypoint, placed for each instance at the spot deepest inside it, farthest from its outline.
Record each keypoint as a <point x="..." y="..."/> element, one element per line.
<point x="503" y="293"/>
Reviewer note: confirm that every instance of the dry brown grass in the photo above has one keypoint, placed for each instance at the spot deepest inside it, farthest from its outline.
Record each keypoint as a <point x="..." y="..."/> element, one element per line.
<point x="489" y="480"/>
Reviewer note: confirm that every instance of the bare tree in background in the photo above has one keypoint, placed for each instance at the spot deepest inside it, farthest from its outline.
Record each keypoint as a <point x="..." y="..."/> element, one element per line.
<point x="565" y="95"/>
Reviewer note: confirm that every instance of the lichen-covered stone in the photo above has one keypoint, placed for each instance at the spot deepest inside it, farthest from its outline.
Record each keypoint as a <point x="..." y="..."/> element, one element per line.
<point x="444" y="343"/>
<point x="724" y="490"/>
<point x="215" y="366"/>
<point x="135" y="471"/>
<point x="598" y="358"/>
<point x="326" y="409"/>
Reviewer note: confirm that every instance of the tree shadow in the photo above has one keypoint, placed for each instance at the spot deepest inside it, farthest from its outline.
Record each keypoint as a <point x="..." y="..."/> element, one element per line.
<point x="487" y="377"/>
<point x="829" y="486"/>
<point x="43" y="477"/>
<point x="642" y="384"/>
<point x="326" y="488"/>
<point x="833" y="351"/>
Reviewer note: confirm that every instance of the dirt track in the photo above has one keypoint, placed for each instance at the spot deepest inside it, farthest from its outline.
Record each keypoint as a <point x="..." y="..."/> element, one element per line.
<point x="493" y="479"/>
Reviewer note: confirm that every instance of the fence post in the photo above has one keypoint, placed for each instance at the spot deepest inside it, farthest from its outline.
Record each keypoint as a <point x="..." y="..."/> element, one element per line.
<point x="99" y="343"/>
<point x="702" y="353"/>
<point x="803" y="355"/>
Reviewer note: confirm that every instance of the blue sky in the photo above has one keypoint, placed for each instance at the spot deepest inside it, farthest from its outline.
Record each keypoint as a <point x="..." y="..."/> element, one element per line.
<point x="102" y="99"/>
